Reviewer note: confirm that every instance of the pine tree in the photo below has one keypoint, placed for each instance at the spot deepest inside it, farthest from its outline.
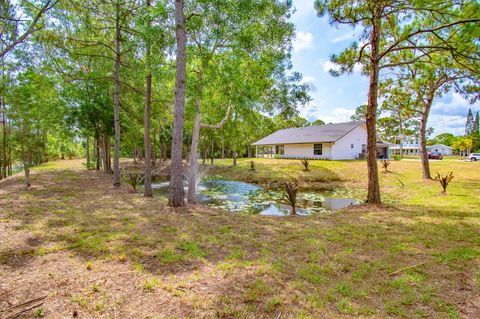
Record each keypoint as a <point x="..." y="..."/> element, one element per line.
<point x="469" y="125"/>
<point x="476" y="132"/>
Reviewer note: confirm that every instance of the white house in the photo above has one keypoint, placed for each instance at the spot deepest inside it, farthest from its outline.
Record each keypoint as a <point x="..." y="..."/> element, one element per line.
<point x="440" y="148"/>
<point x="340" y="141"/>
<point x="412" y="147"/>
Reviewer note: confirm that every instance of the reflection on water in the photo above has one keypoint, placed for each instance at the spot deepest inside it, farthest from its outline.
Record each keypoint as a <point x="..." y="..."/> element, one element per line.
<point x="240" y="197"/>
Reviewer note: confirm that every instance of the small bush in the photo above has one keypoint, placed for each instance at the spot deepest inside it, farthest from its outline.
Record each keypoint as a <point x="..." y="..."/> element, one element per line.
<point x="397" y="157"/>
<point x="252" y="166"/>
<point x="39" y="313"/>
<point x="305" y="164"/>
<point x="444" y="181"/>
<point x="92" y="164"/>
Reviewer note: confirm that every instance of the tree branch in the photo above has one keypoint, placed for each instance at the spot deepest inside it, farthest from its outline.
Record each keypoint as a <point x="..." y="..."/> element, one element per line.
<point x="31" y="29"/>
<point x="221" y="123"/>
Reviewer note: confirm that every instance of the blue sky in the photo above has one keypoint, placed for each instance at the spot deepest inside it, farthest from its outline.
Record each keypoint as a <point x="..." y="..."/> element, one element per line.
<point x="335" y="98"/>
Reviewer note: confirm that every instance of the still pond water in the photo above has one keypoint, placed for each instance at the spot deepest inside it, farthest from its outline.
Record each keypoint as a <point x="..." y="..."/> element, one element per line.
<point x="241" y="197"/>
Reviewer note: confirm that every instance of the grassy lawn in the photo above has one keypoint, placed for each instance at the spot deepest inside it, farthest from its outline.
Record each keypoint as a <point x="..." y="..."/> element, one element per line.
<point x="95" y="251"/>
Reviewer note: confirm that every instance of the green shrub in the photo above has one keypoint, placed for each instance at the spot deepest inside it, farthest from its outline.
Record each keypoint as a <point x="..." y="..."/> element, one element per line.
<point x="397" y="157"/>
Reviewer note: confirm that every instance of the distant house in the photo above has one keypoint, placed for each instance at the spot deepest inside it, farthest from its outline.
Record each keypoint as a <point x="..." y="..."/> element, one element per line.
<point x="440" y="148"/>
<point x="412" y="147"/>
<point x="340" y="141"/>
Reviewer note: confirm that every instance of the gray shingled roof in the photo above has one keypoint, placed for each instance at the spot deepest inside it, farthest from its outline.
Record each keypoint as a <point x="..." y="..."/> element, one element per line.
<point x="309" y="134"/>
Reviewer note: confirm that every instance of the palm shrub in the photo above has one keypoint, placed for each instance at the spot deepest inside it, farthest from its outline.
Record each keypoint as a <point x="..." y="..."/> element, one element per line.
<point x="444" y="181"/>
<point x="290" y="195"/>
<point x="385" y="164"/>
<point x="305" y="164"/>
<point x="133" y="179"/>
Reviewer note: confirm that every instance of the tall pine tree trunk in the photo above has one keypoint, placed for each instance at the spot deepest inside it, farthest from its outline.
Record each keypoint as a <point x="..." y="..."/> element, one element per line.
<point x="116" y="99"/>
<point x="373" y="184"/>
<point x="423" y="137"/>
<point x="176" y="198"/>
<point x="10" y="150"/>
<point x="4" y="142"/>
<point x="146" y="119"/>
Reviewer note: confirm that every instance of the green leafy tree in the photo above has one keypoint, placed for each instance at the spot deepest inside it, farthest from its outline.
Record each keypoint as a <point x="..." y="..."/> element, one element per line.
<point x="393" y="33"/>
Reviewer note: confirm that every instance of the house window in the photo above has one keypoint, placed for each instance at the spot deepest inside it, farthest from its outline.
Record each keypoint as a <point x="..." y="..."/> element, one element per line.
<point x="351" y="146"/>
<point x="317" y="149"/>
<point x="280" y="149"/>
<point x="364" y="148"/>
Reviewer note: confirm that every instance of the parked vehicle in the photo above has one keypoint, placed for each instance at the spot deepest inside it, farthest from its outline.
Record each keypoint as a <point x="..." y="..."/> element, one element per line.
<point x="435" y="155"/>
<point x="475" y="157"/>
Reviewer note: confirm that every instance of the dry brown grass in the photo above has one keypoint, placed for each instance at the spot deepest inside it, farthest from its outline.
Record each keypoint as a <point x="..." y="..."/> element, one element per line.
<point x="107" y="253"/>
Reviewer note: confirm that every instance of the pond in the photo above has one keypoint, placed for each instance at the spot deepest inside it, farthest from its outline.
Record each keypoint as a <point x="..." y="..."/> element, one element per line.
<point x="241" y="197"/>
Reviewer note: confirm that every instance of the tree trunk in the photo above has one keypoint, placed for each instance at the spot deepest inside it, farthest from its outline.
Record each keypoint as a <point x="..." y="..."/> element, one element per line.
<point x="116" y="99"/>
<point x="164" y="152"/>
<point x="97" y="153"/>
<point x="155" y="147"/>
<point x="176" y="198"/>
<point x="212" y="150"/>
<point x="204" y="156"/>
<point x="234" y="158"/>
<point x="401" y="133"/>
<point x="4" y="143"/>
<point x="10" y="150"/>
<point x="87" y="151"/>
<point x="27" y="175"/>
<point x="146" y="119"/>
<point x="423" y="133"/>
<point x="193" y="166"/>
<point x="104" y="155"/>
<point x="249" y="151"/>
<point x="107" y="164"/>
<point x="223" y="148"/>
<point x="373" y="184"/>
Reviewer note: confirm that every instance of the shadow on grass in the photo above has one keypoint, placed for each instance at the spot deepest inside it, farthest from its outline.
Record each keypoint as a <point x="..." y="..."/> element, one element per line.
<point x="338" y="263"/>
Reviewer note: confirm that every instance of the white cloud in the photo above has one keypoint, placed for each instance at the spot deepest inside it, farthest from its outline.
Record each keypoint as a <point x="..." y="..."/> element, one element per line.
<point x="304" y="40"/>
<point x="338" y="115"/>
<point x="310" y="81"/>
<point x="357" y="68"/>
<point x="329" y="65"/>
<point x="335" y="115"/>
<point x="449" y="114"/>
<point x="342" y="38"/>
